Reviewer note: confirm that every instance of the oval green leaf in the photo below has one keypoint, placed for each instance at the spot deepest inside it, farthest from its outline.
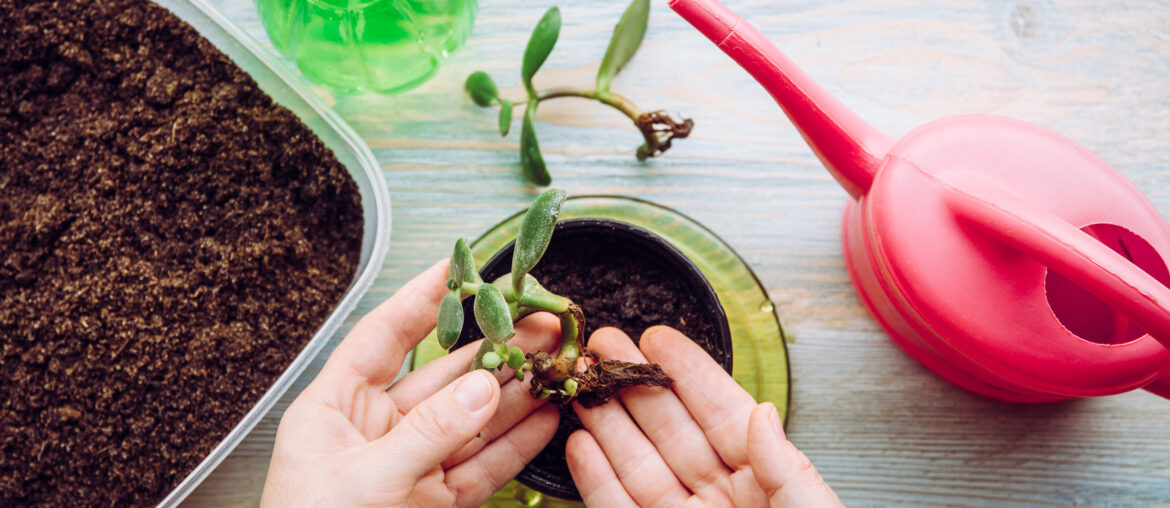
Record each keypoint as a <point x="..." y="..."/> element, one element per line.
<point x="450" y="320"/>
<point x="462" y="265"/>
<point x="536" y="230"/>
<point x="540" y="44"/>
<point x="515" y="358"/>
<point x="627" y="36"/>
<point x="531" y="161"/>
<point x="492" y="314"/>
<point x="505" y="116"/>
<point x="490" y="360"/>
<point x="481" y="88"/>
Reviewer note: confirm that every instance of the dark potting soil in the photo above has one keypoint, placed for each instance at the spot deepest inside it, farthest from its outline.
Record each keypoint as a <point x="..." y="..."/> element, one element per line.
<point x="170" y="239"/>
<point x="618" y="285"/>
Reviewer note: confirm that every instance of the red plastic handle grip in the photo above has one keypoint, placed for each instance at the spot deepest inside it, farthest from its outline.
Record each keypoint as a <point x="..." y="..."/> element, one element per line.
<point x="1068" y="250"/>
<point x="1062" y="247"/>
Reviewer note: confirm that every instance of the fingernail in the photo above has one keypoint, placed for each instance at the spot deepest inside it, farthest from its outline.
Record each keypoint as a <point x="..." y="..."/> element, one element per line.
<point x="777" y="425"/>
<point x="474" y="392"/>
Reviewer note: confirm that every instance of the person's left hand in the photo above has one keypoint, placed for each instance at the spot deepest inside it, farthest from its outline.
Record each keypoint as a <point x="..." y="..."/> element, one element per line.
<point x="702" y="442"/>
<point x="347" y="440"/>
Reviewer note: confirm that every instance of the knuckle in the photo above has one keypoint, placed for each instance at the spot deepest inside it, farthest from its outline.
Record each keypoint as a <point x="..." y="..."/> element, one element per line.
<point x="804" y="466"/>
<point x="431" y="424"/>
<point x="803" y="475"/>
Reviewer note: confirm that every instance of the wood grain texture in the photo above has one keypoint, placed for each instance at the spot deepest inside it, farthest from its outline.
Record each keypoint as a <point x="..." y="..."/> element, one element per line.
<point x="882" y="429"/>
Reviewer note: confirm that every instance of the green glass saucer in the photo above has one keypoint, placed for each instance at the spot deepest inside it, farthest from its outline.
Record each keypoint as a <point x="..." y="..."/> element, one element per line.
<point x="761" y="356"/>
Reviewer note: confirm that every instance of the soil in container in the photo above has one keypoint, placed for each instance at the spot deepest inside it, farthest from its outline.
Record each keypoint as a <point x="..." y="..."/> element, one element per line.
<point x="170" y="239"/>
<point x="617" y="283"/>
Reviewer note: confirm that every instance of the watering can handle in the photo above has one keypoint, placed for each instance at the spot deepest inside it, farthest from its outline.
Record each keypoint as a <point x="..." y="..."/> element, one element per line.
<point x="1063" y="247"/>
<point x="1066" y="249"/>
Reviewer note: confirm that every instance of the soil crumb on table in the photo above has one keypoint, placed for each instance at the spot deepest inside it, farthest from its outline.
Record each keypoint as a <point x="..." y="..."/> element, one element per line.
<point x="170" y="239"/>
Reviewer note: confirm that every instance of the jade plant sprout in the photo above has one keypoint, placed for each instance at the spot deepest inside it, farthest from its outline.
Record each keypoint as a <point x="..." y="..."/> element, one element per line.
<point x="658" y="129"/>
<point x="574" y="372"/>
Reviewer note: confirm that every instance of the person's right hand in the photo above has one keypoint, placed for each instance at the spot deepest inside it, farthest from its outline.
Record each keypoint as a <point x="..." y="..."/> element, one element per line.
<point x="702" y="442"/>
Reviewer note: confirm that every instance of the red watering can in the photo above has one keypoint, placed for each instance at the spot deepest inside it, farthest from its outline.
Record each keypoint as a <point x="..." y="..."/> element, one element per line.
<point x="1001" y="255"/>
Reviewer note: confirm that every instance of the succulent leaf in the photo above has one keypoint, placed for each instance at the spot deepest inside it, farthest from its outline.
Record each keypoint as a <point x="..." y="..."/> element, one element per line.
<point x="493" y="315"/>
<point x="536" y="229"/>
<point x="481" y="88"/>
<point x="531" y="161"/>
<point x="540" y="44"/>
<point x="505" y="116"/>
<point x="516" y="358"/>
<point x="450" y="323"/>
<point x="491" y="360"/>
<point x="627" y="36"/>
<point x="462" y="265"/>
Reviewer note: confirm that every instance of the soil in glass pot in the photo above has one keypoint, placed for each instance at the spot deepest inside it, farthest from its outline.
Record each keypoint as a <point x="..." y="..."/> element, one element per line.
<point x="625" y="277"/>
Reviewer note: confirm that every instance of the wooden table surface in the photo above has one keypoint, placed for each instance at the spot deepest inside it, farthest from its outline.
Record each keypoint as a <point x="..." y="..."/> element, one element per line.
<point x="881" y="428"/>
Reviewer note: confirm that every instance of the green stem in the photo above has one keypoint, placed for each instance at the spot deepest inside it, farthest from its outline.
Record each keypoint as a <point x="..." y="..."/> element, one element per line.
<point x="547" y="301"/>
<point x="468" y="289"/>
<point x="610" y="99"/>
<point x="572" y="333"/>
<point x="648" y="124"/>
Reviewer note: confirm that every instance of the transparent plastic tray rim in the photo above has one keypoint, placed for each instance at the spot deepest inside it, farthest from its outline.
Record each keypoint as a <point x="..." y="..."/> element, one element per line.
<point x="289" y="91"/>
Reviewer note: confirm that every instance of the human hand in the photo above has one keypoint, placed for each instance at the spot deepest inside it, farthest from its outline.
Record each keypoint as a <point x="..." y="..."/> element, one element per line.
<point x="704" y="442"/>
<point x="347" y="440"/>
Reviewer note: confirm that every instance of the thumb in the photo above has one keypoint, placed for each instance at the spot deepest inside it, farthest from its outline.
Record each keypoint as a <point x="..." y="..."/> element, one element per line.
<point x="436" y="428"/>
<point x="785" y="473"/>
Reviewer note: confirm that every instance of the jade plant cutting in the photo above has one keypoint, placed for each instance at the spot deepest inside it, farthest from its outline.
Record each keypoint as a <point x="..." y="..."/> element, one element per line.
<point x="658" y="129"/>
<point x="574" y="372"/>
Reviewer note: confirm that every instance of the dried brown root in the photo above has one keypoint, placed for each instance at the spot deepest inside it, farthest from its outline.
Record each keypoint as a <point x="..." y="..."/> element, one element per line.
<point x="658" y="130"/>
<point x="604" y="379"/>
<point x="598" y="383"/>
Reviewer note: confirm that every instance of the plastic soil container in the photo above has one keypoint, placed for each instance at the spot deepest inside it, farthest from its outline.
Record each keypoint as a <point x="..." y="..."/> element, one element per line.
<point x="287" y="90"/>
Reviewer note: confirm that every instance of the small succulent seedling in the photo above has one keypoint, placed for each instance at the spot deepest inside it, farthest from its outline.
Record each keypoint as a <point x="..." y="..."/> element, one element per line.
<point x="575" y="372"/>
<point x="658" y="129"/>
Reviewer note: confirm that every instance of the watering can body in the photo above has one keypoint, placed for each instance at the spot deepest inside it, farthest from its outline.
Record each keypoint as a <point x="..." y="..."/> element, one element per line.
<point x="999" y="254"/>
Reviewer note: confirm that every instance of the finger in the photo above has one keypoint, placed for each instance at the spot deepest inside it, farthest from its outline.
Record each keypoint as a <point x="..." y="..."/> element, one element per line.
<point x="515" y="406"/>
<point x="538" y="332"/>
<point x="433" y="430"/>
<point x="378" y="343"/>
<point x="634" y="459"/>
<point x="785" y="474"/>
<point x="664" y="419"/>
<point x="475" y="480"/>
<point x="718" y="404"/>
<point x="595" y="478"/>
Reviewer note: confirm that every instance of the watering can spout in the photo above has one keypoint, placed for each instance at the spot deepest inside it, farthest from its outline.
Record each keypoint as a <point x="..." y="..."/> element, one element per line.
<point x="849" y="147"/>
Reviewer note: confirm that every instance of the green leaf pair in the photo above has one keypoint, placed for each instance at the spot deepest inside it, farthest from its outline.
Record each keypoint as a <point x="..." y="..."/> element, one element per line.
<point x="502" y="355"/>
<point x="461" y="269"/>
<point x="492" y="312"/>
<point x="483" y="92"/>
<point x="540" y="45"/>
